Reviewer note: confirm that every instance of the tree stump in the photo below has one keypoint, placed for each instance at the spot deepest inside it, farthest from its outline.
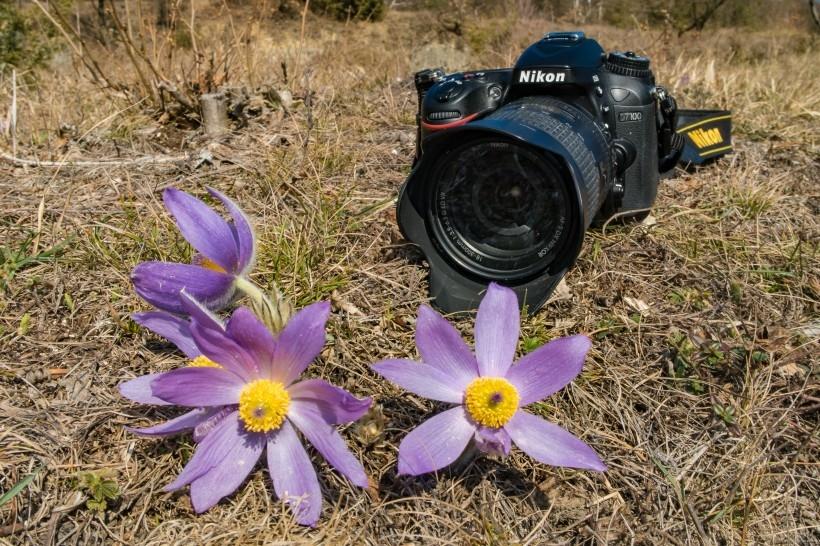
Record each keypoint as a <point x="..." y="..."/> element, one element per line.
<point x="214" y="108"/>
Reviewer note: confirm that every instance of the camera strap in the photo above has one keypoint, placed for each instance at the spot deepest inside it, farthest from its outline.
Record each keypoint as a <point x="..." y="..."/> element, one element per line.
<point x="670" y="143"/>
<point x="707" y="135"/>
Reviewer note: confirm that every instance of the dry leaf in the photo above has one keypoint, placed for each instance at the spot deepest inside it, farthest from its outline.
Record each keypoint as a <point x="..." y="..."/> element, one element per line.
<point x="791" y="370"/>
<point x="561" y="292"/>
<point x="810" y="330"/>
<point x="340" y="303"/>
<point x="636" y="305"/>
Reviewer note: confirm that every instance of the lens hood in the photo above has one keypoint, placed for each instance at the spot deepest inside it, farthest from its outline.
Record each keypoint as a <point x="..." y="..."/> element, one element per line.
<point x="453" y="289"/>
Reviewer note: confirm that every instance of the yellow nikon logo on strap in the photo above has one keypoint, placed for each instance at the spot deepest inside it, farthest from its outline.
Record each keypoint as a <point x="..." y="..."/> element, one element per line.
<point x="708" y="134"/>
<point x="705" y="138"/>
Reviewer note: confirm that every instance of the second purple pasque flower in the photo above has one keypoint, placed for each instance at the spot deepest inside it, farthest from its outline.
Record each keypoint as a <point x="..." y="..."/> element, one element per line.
<point x="225" y="255"/>
<point x="489" y="390"/>
<point x="246" y="398"/>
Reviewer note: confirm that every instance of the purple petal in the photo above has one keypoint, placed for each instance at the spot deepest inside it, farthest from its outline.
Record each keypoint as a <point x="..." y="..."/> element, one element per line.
<point x="242" y="230"/>
<point x="139" y="390"/>
<point x="217" y="414"/>
<point x="205" y="316"/>
<point x="336" y="405"/>
<point x="549" y="368"/>
<point x="212" y="339"/>
<point x="210" y="451"/>
<point x="228" y="474"/>
<point x="327" y="441"/>
<point x="254" y="337"/>
<point x="206" y="230"/>
<point x="198" y="387"/>
<point x="435" y="443"/>
<point x="173" y="328"/>
<point x="293" y="476"/>
<point x="441" y="346"/>
<point x="495" y="441"/>
<point x="184" y="422"/>
<point x="550" y="444"/>
<point x="300" y="342"/>
<point x="159" y="283"/>
<point x="421" y="379"/>
<point x="496" y="331"/>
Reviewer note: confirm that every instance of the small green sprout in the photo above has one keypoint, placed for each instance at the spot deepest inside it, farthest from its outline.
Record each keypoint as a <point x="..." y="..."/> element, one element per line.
<point x="101" y="487"/>
<point x="727" y="413"/>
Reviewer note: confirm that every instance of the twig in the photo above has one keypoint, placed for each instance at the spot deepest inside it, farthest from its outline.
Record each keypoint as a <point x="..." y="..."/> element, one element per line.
<point x="68" y="39"/>
<point x="145" y="160"/>
<point x="125" y="37"/>
<point x="177" y="94"/>
<point x="623" y="214"/>
<point x="685" y="503"/>
<point x="193" y="32"/>
<point x="41" y="209"/>
<point x="698" y="524"/>
<point x="301" y="38"/>
<point x="13" y="122"/>
<point x="698" y="22"/>
<point x="308" y="111"/>
<point x="59" y="512"/>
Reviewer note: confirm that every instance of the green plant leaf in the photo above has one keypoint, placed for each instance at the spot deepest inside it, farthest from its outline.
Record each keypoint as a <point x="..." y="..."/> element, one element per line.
<point x="98" y="505"/>
<point x="18" y="487"/>
<point x="107" y="489"/>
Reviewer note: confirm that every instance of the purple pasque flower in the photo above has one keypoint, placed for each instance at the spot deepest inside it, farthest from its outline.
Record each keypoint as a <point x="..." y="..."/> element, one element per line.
<point x="225" y="253"/>
<point x="489" y="389"/>
<point x="251" y="401"/>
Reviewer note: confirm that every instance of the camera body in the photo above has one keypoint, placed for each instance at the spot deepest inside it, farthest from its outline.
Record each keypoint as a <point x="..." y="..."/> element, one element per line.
<point x="513" y="165"/>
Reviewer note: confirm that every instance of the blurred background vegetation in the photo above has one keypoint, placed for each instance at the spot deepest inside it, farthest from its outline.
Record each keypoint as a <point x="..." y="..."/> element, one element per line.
<point x="168" y="55"/>
<point x="682" y="15"/>
<point x="28" y="35"/>
<point x="27" y="38"/>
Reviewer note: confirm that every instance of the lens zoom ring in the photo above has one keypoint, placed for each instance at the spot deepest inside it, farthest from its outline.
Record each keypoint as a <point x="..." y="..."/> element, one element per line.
<point x="584" y="159"/>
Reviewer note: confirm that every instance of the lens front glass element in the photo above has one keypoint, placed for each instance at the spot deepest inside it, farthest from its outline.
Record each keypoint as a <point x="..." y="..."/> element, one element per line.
<point x="500" y="206"/>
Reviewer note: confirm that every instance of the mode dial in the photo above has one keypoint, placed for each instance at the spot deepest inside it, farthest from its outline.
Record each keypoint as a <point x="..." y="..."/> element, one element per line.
<point x="628" y="64"/>
<point x="449" y="91"/>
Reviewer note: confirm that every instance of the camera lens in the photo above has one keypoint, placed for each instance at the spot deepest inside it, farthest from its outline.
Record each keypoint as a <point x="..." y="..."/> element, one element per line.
<point x="507" y="198"/>
<point x="501" y="208"/>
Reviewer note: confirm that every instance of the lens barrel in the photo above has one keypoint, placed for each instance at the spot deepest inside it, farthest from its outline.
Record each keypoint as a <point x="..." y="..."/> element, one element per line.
<point x="569" y="133"/>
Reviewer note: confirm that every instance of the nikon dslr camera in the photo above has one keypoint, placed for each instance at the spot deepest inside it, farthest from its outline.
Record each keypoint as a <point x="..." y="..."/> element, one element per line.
<point x="513" y="165"/>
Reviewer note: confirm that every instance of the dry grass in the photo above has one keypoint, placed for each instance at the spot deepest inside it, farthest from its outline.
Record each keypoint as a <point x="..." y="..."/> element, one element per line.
<point x="700" y="392"/>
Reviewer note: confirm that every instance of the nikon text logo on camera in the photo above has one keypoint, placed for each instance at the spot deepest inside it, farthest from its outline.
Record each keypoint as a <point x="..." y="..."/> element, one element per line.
<point x="539" y="76"/>
<point x="703" y="138"/>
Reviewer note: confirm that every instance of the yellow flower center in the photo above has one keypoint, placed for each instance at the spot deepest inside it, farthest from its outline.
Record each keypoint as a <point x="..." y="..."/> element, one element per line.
<point x="263" y="405"/>
<point x="208" y="264"/>
<point x="203" y="361"/>
<point x="491" y="401"/>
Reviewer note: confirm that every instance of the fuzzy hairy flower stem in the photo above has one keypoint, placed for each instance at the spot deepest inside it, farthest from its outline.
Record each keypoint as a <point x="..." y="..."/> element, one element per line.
<point x="273" y="310"/>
